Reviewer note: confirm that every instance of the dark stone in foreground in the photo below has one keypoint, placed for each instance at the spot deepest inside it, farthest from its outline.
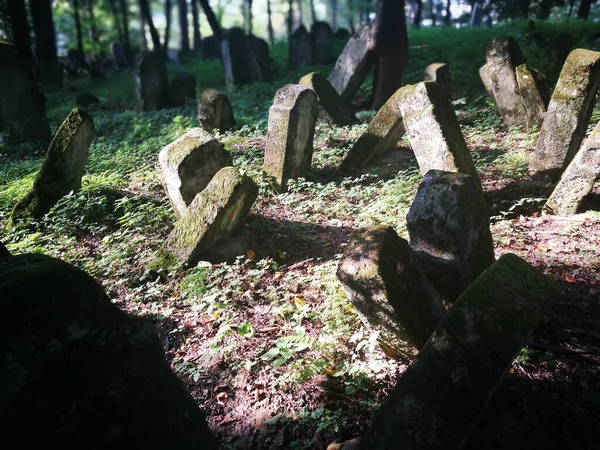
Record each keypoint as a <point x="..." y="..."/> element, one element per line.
<point x="440" y="397"/>
<point x="86" y="374"/>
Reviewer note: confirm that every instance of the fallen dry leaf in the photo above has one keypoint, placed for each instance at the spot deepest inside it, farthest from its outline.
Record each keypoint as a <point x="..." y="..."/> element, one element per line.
<point x="569" y="279"/>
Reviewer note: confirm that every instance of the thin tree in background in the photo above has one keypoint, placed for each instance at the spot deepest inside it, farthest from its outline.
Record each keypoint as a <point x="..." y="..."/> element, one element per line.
<point x="351" y="13"/>
<point x="584" y="9"/>
<point x="147" y="16"/>
<point x="571" y="4"/>
<point x="248" y="16"/>
<point x="168" y="20"/>
<point x="313" y="14"/>
<point x="418" y="13"/>
<point x="184" y="38"/>
<point x="124" y="15"/>
<point x="117" y="22"/>
<point x="270" y="23"/>
<point x="333" y="11"/>
<point x="77" y="19"/>
<point x="20" y="30"/>
<point x="43" y="28"/>
<point x="432" y="13"/>
<point x="447" y="17"/>
<point x="212" y="19"/>
<point x="290" y="18"/>
<point x="196" y="26"/>
<point x="93" y="33"/>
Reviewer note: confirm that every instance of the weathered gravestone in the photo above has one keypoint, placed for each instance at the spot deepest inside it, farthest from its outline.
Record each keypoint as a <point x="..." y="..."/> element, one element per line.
<point x="341" y="33"/>
<point x="61" y="170"/>
<point x="438" y="400"/>
<point x="578" y="179"/>
<point x="533" y="94"/>
<point x="260" y="49"/>
<point x="211" y="48"/>
<point x="87" y="374"/>
<point x="449" y="231"/>
<point x="330" y="101"/>
<point x="238" y="59"/>
<point x="290" y="133"/>
<point x="353" y="65"/>
<point x="433" y="130"/>
<point x="182" y="87"/>
<point x="119" y="55"/>
<point x="22" y="105"/>
<point x="188" y="164"/>
<point x="300" y="48"/>
<point x="321" y="37"/>
<point x="215" y="111"/>
<point x="568" y="114"/>
<point x="151" y="81"/>
<point x="218" y="210"/>
<point x="382" y="134"/>
<point x="391" y="294"/>
<point x="440" y="73"/>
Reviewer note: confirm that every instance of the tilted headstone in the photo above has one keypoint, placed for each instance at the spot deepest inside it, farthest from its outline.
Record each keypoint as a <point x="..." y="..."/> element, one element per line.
<point x="188" y="164"/>
<point x="321" y="37"/>
<point x="578" y="179"/>
<point x="391" y="294"/>
<point x="215" y="111"/>
<point x="353" y="65"/>
<point x="568" y="114"/>
<point x="182" y="87"/>
<point x="438" y="400"/>
<point x="449" y="231"/>
<point x="260" y="49"/>
<point x="382" y="134"/>
<point x="22" y="104"/>
<point x="329" y="99"/>
<point x="290" y="133"/>
<point x="119" y="55"/>
<point x="221" y="208"/>
<point x="239" y="62"/>
<point x="83" y="370"/>
<point x="433" y="130"/>
<point x="151" y="81"/>
<point x="211" y="48"/>
<point x="61" y="169"/>
<point x="533" y="95"/>
<point x="300" y="48"/>
<point x="440" y="73"/>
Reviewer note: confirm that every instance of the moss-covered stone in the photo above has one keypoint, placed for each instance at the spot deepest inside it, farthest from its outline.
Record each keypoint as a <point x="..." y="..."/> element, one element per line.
<point x="188" y="164"/>
<point x="215" y="212"/>
<point x="150" y="73"/>
<point x="289" y="149"/>
<point x="531" y="95"/>
<point x="61" y="169"/>
<point x="329" y="99"/>
<point x="439" y="398"/>
<point x="390" y="292"/>
<point x="440" y="73"/>
<point x="215" y="111"/>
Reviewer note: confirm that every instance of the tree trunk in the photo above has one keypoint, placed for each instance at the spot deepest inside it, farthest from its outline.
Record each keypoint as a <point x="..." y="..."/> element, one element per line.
<point x="184" y="38"/>
<point x="43" y="28"/>
<point x="117" y="22"/>
<point x="390" y="46"/>
<point x="351" y="14"/>
<point x="300" y="16"/>
<point x="418" y="14"/>
<point x="196" y="25"/>
<point x="432" y="14"/>
<point x="93" y="33"/>
<point x="571" y="4"/>
<point x="248" y="16"/>
<point x="212" y="19"/>
<point x="584" y="9"/>
<point x="168" y="19"/>
<point x="126" y="43"/>
<point x="313" y="14"/>
<point x="147" y="16"/>
<point x="448" y="17"/>
<point x="333" y="7"/>
<point x="77" y="19"/>
<point x="20" y="30"/>
<point x="290" y="18"/>
<point x="270" y="23"/>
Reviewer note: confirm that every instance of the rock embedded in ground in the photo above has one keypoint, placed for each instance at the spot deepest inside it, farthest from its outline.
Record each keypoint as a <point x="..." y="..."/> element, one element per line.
<point x="61" y="169"/>
<point x="188" y="164"/>
<point x="329" y="99"/>
<point x="440" y="73"/>
<point x="151" y="83"/>
<point x="87" y="374"/>
<point x="182" y="88"/>
<point x="433" y="130"/>
<point x="215" y="111"/>
<point x="569" y="112"/>
<point x="449" y="231"/>
<point x="391" y="294"/>
<point x="217" y="211"/>
<point x="290" y="133"/>
<point x="438" y="400"/>
<point x="578" y="179"/>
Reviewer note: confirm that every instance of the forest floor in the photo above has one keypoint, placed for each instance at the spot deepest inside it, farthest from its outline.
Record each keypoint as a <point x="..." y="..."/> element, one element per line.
<point x="261" y="332"/>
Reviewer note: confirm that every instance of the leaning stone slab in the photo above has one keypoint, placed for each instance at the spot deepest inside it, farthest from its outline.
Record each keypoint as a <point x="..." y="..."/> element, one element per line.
<point x="353" y="65"/>
<point x="440" y="73"/>
<point x="62" y="168"/>
<point x="329" y="99"/>
<point x="217" y="211"/>
<point x="433" y="130"/>
<point x="438" y="400"/>
<point x="215" y="111"/>
<point x="449" y="231"/>
<point x="188" y="164"/>
<point x="578" y="180"/>
<point x="568" y="114"/>
<point x="531" y="90"/>
<point x="290" y="133"/>
<point x="382" y="134"/>
<point x="150" y="75"/>
<point x="383" y="280"/>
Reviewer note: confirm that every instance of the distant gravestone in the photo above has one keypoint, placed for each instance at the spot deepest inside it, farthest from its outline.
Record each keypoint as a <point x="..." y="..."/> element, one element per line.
<point x="182" y="87"/>
<point x="215" y="111"/>
<point x="240" y="66"/>
<point x="440" y="73"/>
<point x="578" y="179"/>
<point x="221" y="208"/>
<point x="86" y="99"/>
<point x="321" y="37"/>
<point x="390" y="292"/>
<point x="353" y="65"/>
<point x="188" y="164"/>
<point x="329" y="99"/>
<point x="341" y="33"/>
<point x="449" y="231"/>
<point x="568" y="114"/>
<point x="22" y="104"/>
<point x="151" y="81"/>
<point x="291" y="129"/>
<point x="119" y="55"/>
<point x="77" y="59"/>
<point x="211" y="48"/>
<point x="61" y="169"/>
<point x="300" y="48"/>
<point x="433" y="130"/>
<point x="260" y="49"/>
<point x="438" y="400"/>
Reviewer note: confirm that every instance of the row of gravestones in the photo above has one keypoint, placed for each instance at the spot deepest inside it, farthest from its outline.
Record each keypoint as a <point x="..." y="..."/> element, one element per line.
<point x="314" y="48"/>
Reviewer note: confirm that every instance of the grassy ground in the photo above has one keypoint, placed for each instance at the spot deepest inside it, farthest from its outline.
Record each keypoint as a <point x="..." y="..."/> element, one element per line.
<point x="263" y="336"/>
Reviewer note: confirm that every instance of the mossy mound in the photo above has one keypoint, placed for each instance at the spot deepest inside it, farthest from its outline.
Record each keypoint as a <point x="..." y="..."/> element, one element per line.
<point x="215" y="111"/>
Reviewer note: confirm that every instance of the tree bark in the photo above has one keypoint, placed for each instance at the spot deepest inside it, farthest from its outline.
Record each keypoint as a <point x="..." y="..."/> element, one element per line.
<point x="168" y="17"/>
<point x="584" y="9"/>
<point x="184" y="38"/>
<point x="77" y="19"/>
<point x="196" y="25"/>
<point x="270" y="23"/>
<point x="212" y="19"/>
<point x="351" y="15"/>
<point x="300" y="15"/>
<point x="313" y="14"/>
<point x="333" y="7"/>
<point x="126" y="43"/>
<point x="20" y="30"/>
<point x="290" y="18"/>
<point x="117" y="22"/>
<point x="248" y="18"/>
<point x="43" y="28"/>
<point x="448" y="17"/>
<point x="147" y="16"/>
<point x="390" y="47"/>
<point x="93" y="33"/>
<point x="418" y="14"/>
<point x="571" y="4"/>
